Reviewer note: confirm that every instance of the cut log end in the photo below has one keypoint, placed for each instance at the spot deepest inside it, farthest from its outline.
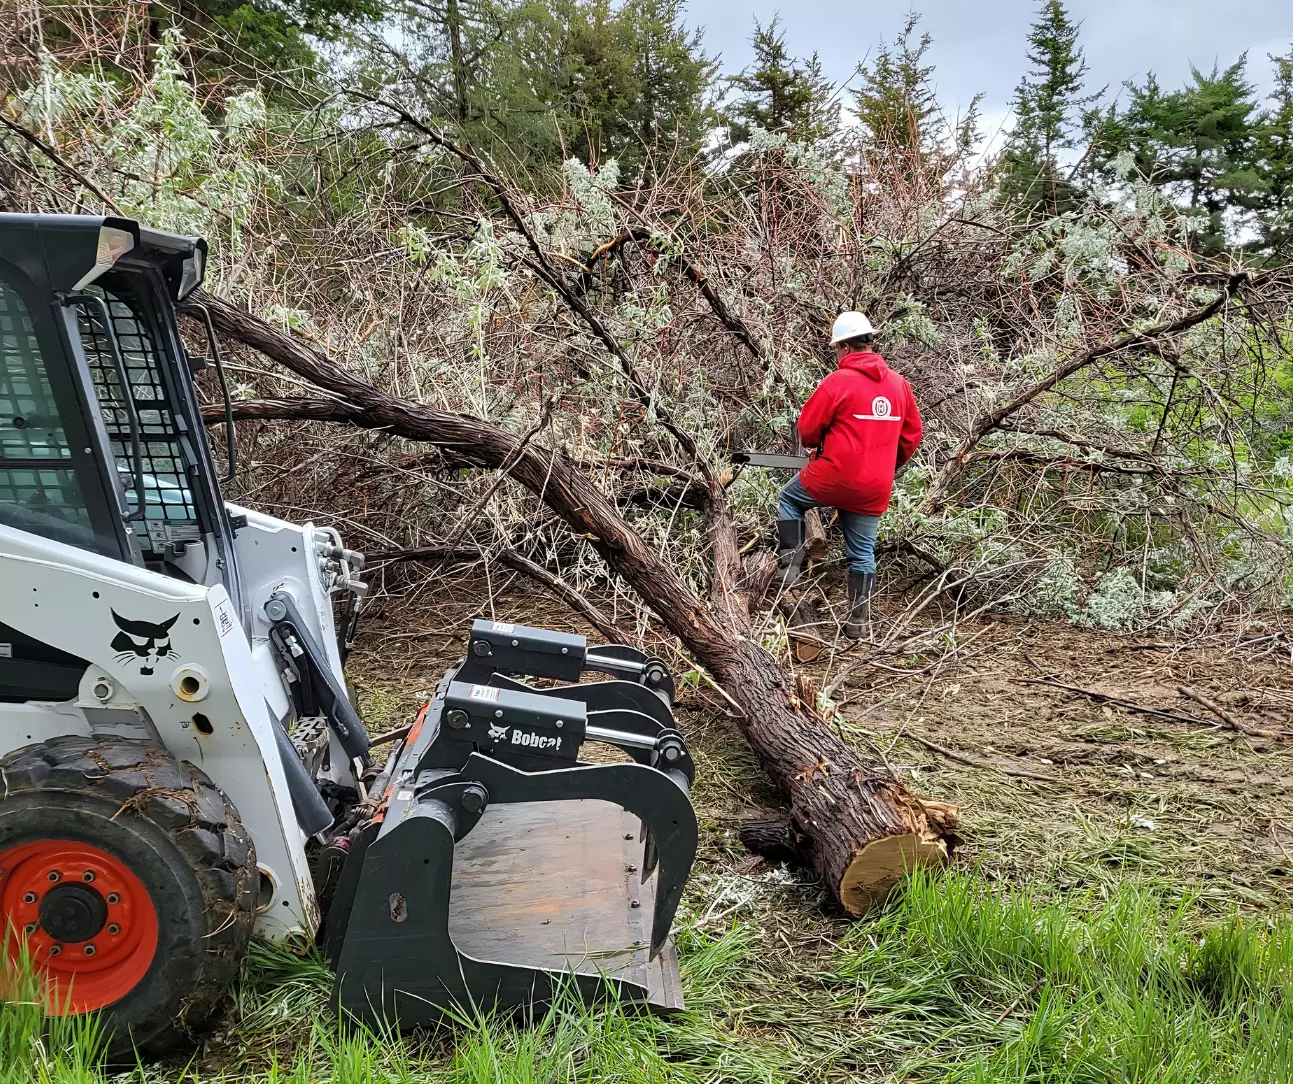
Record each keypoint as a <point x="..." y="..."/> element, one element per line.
<point x="880" y="865"/>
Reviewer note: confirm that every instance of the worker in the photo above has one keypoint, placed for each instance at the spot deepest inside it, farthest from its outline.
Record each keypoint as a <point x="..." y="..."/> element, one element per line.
<point x="862" y="425"/>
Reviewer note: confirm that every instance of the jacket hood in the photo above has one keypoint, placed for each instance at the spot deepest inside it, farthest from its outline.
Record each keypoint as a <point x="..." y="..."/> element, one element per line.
<point x="866" y="362"/>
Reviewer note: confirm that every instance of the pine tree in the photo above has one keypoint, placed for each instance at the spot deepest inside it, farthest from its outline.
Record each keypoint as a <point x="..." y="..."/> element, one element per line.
<point x="781" y="93"/>
<point x="895" y="103"/>
<point x="670" y="72"/>
<point x="449" y="42"/>
<point x="1275" y="152"/>
<point x="1048" y="105"/>
<point x="1201" y="145"/>
<point x="898" y="111"/>
<point x="253" y="38"/>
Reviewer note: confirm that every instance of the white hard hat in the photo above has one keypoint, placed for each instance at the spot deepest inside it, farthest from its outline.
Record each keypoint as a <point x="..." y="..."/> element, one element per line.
<point x="850" y="325"/>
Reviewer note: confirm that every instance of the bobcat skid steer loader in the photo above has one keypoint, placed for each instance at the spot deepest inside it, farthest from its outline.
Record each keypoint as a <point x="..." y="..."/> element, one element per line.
<point x="180" y="763"/>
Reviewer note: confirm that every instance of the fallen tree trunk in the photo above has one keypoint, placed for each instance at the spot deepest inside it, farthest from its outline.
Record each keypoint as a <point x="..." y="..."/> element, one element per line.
<point x="861" y="828"/>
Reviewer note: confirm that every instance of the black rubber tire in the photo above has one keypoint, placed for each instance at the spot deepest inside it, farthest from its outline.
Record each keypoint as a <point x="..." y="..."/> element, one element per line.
<point x="181" y="836"/>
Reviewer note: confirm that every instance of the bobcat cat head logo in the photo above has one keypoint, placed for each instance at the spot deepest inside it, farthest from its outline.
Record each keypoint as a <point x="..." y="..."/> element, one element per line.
<point x="144" y="641"/>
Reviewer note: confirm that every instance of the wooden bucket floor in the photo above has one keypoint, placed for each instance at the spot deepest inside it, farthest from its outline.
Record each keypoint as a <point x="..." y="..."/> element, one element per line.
<point x="551" y="885"/>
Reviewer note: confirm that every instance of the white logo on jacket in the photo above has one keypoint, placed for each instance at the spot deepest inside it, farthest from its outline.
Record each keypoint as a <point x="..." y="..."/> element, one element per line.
<point x="881" y="411"/>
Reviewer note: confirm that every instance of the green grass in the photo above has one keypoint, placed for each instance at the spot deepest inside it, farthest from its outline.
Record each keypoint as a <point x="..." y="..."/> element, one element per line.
<point x="34" y="1048"/>
<point x="955" y="982"/>
<point x="976" y="985"/>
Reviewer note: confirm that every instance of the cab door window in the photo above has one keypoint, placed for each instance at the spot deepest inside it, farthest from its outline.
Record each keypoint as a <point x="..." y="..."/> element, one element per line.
<point x="40" y="490"/>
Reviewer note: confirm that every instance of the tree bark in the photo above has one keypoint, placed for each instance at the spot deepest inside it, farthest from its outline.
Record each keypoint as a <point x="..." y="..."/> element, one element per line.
<point x="775" y="840"/>
<point x="815" y="545"/>
<point x="861" y="829"/>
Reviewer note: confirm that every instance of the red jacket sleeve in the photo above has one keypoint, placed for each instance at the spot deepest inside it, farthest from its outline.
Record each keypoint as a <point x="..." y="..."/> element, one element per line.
<point x="818" y="413"/>
<point x="910" y="435"/>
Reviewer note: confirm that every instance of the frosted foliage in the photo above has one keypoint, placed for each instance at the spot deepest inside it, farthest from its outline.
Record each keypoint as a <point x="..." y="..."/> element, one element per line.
<point x="246" y="117"/>
<point x="580" y="228"/>
<point x="171" y="166"/>
<point x="818" y="163"/>
<point x="1079" y="248"/>
<point x="762" y="140"/>
<point x="915" y="324"/>
<point x="1116" y="603"/>
<point x="590" y="191"/>
<point x="1057" y="592"/>
<point x="60" y="94"/>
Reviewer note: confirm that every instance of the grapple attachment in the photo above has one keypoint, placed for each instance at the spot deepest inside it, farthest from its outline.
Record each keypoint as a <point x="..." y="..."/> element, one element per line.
<point x="499" y="866"/>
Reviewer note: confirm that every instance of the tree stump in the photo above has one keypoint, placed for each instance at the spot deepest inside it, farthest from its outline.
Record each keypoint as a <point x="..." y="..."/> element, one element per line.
<point x="815" y="544"/>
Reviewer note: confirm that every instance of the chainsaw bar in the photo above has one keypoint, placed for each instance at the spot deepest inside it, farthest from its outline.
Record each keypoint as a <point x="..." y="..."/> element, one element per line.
<point x="771" y="459"/>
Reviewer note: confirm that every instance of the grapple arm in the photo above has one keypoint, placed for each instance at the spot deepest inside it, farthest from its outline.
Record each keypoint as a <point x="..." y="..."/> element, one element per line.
<point x="497" y="647"/>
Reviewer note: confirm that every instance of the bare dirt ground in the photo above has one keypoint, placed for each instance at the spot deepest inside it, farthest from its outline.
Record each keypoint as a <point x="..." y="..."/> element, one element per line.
<point x="1057" y="787"/>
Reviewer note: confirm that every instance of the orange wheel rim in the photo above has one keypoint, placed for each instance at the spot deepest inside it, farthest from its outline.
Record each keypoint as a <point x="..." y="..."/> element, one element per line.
<point x="88" y="923"/>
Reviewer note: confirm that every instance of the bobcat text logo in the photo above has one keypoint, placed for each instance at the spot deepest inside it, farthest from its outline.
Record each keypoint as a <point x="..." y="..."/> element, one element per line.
<point x="535" y="741"/>
<point x="497" y="732"/>
<point x="143" y="640"/>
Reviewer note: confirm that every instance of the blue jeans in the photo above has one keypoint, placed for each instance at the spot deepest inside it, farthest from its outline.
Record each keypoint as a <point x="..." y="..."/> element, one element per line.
<point x="859" y="530"/>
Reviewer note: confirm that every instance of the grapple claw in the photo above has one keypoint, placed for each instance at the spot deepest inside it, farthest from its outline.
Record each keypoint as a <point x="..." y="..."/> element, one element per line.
<point x="515" y="861"/>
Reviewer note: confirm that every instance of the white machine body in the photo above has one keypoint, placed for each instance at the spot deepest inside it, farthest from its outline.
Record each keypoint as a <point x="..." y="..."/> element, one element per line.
<point x="200" y="685"/>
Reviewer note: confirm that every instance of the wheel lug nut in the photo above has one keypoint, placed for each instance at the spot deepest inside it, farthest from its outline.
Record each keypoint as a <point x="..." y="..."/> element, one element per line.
<point x="114" y="929"/>
<point x="54" y="875"/>
<point x="29" y="897"/>
<point x="88" y="875"/>
<point x="29" y="928"/>
<point x="89" y="950"/>
<point x="113" y="898"/>
<point x="55" y="950"/>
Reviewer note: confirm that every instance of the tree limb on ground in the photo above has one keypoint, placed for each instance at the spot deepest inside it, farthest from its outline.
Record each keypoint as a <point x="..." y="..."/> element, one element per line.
<point x="518" y="563"/>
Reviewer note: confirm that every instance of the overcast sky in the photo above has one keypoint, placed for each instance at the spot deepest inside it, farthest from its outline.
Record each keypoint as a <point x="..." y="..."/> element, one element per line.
<point x="979" y="44"/>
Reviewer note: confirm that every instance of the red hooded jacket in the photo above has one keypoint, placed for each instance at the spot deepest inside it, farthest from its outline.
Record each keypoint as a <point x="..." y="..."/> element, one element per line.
<point x="864" y="422"/>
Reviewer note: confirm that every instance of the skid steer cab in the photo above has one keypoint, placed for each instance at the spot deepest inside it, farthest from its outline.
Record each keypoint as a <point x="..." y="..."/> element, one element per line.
<point x="183" y="764"/>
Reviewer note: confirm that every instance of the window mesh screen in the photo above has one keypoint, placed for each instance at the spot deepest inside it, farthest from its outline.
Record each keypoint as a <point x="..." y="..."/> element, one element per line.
<point x="169" y="512"/>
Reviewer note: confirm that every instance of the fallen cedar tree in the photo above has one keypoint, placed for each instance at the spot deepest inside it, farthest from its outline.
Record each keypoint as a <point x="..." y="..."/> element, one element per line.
<point x="858" y="828"/>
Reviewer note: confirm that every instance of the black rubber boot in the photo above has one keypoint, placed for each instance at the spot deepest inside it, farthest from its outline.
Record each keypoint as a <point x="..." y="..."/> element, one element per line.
<point x="861" y="587"/>
<point x="790" y="550"/>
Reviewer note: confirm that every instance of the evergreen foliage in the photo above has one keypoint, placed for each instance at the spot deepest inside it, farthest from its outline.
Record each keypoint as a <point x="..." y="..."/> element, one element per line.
<point x="895" y="102"/>
<point x="1048" y="104"/>
<point x="247" y="37"/>
<point x="781" y="93"/>
<point x="537" y="82"/>
<point x="1199" y="145"/>
<point x="1275" y="160"/>
<point x="897" y="106"/>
